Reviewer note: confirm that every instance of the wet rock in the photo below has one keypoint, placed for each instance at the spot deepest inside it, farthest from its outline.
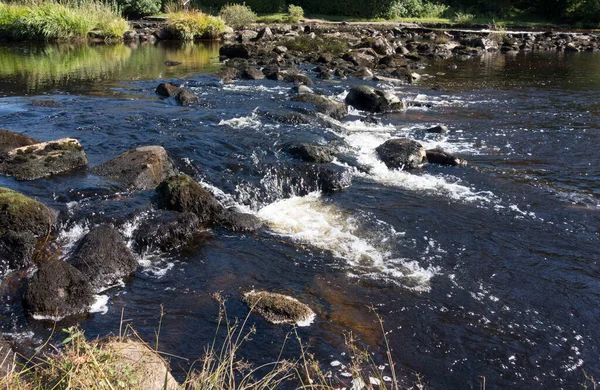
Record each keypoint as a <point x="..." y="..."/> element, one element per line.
<point x="401" y="153"/>
<point x="234" y="51"/>
<point x="172" y="63"/>
<point x="237" y="221"/>
<point x="381" y="46"/>
<point x="58" y="290"/>
<point x="325" y="58"/>
<point x="186" y="97"/>
<point x="227" y="74"/>
<point x="363" y="73"/>
<point x="145" y="367"/>
<point x="369" y="99"/>
<point x="130" y="35"/>
<point x="279" y="308"/>
<point x="301" y="90"/>
<point x="361" y="59"/>
<point x="290" y="118"/>
<point x="252" y="74"/>
<point x="21" y="214"/>
<point x="393" y="61"/>
<point x="103" y="257"/>
<point x="166" y="230"/>
<point x="166" y="90"/>
<point x="335" y="109"/>
<point x="296" y="77"/>
<point x="280" y="50"/>
<point x="311" y="153"/>
<point x="182" y="193"/>
<point x="7" y="357"/>
<point x="332" y="178"/>
<point x="406" y="74"/>
<point x="10" y="140"/>
<point x="439" y="129"/>
<point x="443" y="158"/>
<point x="139" y="169"/>
<point x="44" y="159"/>
<point x="16" y="250"/>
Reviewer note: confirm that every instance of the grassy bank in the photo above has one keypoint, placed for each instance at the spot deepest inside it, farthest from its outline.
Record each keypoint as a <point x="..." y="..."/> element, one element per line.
<point x="54" y="21"/>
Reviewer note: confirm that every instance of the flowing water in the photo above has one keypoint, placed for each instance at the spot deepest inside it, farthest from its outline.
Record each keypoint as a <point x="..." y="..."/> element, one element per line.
<point x="485" y="271"/>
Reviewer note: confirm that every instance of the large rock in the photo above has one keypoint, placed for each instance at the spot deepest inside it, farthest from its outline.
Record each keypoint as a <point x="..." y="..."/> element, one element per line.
<point x="334" y="109"/>
<point x="139" y="169"/>
<point x="279" y="308"/>
<point x="44" y="159"/>
<point x="166" y="90"/>
<point x="401" y="153"/>
<point x="103" y="257"/>
<point x="443" y="158"/>
<point x="58" y="290"/>
<point x="186" y="97"/>
<point x="166" y="230"/>
<point x="311" y="153"/>
<point x="20" y="214"/>
<point x="182" y="193"/>
<point x="234" y="51"/>
<point x="369" y="99"/>
<point x="141" y="364"/>
<point x="10" y="140"/>
<point x="16" y="251"/>
<point x="237" y="221"/>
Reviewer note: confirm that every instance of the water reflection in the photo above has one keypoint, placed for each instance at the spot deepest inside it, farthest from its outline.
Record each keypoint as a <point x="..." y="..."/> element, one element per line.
<point x="33" y="68"/>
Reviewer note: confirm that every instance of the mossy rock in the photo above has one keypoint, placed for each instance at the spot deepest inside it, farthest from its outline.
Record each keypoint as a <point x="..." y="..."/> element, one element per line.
<point x="10" y="140"/>
<point x="182" y="193"/>
<point x="20" y="214"/>
<point x="279" y="308"/>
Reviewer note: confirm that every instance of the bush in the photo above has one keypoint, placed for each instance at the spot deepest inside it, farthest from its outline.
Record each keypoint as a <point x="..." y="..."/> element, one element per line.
<point x="260" y="6"/>
<point x="237" y="15"/>
<point x="295" y="13"/>
<point x="463" y="18"/>
<point x="415" y="9"/>
<point x="139" y="8"/>
<point x="190" y="25"/>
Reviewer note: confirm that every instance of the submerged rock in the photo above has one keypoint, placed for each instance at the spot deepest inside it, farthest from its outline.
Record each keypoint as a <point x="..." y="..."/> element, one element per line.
<point x="239" y="222"/>
<point x="139" y="169"/>
<point x="182" y="193"/>
<point x="334" y="109"/>
<point x="10" y="140"/>
<point x="167" y="230"/>
<point x="439" y="129"/>
<point x="279" y="308"/>
<point x="443" y="158"/>
<point x="401" y="153"/>
<point x="103" y="257"/>
<point x="369" y="99"/>
<point x="44" y="159"/>
<point x="186" y="97"/>
<point x="58" y="290"/>
<point x="311" y="153"/>
<point x="166" y="90"/>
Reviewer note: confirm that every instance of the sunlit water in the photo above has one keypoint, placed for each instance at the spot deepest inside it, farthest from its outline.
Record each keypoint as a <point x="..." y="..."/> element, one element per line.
<point x="485" y="271"/>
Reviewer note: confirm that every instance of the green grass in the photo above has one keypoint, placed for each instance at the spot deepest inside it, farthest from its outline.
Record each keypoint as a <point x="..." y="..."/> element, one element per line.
<point x="54" y="21"/>
<point x="190" y="25"/>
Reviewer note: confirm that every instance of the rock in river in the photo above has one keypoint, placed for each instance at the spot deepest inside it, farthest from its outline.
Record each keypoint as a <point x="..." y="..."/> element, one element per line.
<point x="279" y="308"/>
<point x="443" y="158"/>
<point x="311" y="153"/>
<point x="10" y="140"/>
<point x="365" y="98"/>
<point x="166" y="230"/>
<point x="43" y="159"/>
<point x="402" y="153"/>
<point x="139" y="169"/>
<point x="58" y="290"/>
<point x="325" y="105"/>
<point x="166" y="90"/>
<point x="103" y="257"/>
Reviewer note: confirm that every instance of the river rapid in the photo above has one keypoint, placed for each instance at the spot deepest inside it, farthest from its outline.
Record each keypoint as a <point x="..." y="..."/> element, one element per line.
<point x="486" y="271"/>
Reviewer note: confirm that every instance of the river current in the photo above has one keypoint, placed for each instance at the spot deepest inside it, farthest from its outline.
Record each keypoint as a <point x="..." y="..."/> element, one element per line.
<point x="486" y="271"/>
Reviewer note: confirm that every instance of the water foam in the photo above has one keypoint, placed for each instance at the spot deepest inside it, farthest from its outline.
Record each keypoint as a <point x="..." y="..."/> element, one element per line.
<point x="311" y="221"/>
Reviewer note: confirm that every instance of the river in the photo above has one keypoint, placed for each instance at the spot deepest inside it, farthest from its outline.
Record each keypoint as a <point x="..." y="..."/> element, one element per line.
<point x="486" y="271"/>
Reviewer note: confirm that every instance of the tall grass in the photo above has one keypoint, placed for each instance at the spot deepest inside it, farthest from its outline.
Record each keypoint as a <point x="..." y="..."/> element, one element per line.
<point x="192" y="24"/>
<point x="67" y="20"/>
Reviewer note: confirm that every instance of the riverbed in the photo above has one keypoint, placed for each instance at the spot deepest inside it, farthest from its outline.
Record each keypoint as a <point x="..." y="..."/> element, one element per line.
<point x="485" y="271"/>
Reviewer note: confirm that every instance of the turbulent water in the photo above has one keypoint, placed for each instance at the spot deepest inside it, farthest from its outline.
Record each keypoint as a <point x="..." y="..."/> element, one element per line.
<point x="489" y="271"/>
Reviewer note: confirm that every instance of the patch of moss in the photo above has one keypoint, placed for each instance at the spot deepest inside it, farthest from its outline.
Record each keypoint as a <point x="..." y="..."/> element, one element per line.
<point x="20" y="213"/>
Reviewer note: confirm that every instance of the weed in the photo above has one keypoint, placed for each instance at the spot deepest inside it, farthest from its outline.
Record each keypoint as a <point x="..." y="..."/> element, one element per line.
<point x="192" y="24"/>
<point x="295" y="13"/>
<point x="237" y="15"/>
<point x="463" y="18"/>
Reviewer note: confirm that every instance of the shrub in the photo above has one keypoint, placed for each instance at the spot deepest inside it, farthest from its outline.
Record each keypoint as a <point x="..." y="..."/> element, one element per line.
<point x="190" y="25"/>
<point x="415" y="9"/>
<point x="462" y="18"/>
<point x="139" y="8"/>
<point x="295" y="13"/>
<point x="237" y="15"/>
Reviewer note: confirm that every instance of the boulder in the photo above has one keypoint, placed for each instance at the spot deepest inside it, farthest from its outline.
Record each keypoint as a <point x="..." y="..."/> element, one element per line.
<point x="7" y="358"/>
<point x="234" y="51"/>
<point x="166" y="90"/>
<point x="21" y="214"/>
<point x="332" y="178"/>
<point x="252" y="74"/>
<point x="141" y="364"/>
<point x="311" y="153"/>
<point x="247" y="35"/>
<point x="439" y="129"/>
<point x="44" y="159"/>
<point x="227" y="74"/>
<point x="381" y="46"/>
<point x="361" y="59"/>
<point x="401" y="153"/>
<point x="182" y="193"/>
<point x="301" y="90"/>
<point x="265" y="34"/>
<point x="166" y="230"/>
<point x="369" y="99"/>
<point x="103" y="257"/>
<point x="186" y="97"/>
<point x="139" y="169"/>
<point x="296" y="77"/>
<point x="335" y="109"/>
<point x="237" y="221"/>
<point x="363" y="73"/>
<point x="16" y="251"/>
<point x="279" y="308"/>
<point x="58" y="290"/>
<point x="10" y="140"/>
<point x="443" y="158"/>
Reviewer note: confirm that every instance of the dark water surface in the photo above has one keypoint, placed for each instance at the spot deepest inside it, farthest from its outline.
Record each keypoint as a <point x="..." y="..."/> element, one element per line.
<point x="486" y="271"/>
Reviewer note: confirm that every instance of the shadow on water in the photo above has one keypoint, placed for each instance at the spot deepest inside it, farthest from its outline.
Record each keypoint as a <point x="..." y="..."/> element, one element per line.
<point x="90" y="69"/>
